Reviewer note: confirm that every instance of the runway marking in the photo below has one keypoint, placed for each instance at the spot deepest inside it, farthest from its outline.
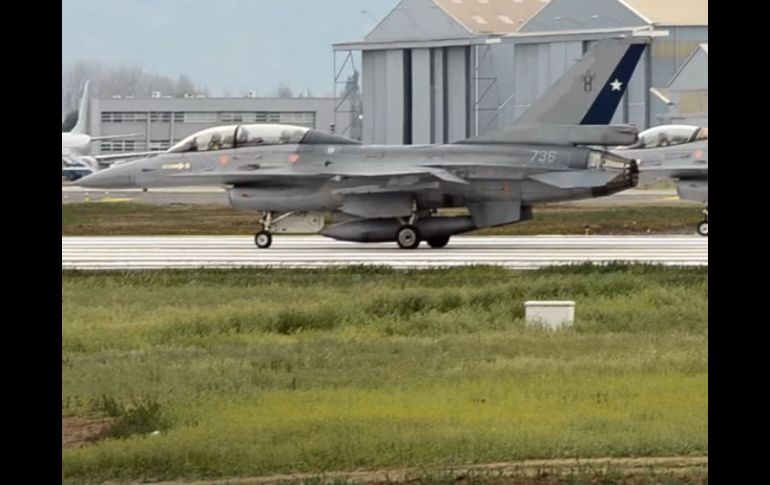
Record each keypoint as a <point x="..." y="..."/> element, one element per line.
<point x="525" y="252"/>
<point x="116" y="199"/>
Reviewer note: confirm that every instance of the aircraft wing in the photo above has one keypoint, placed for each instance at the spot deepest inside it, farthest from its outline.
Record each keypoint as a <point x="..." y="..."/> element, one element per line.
<point x="385" y="172"/>
<point x="378" y="179"/>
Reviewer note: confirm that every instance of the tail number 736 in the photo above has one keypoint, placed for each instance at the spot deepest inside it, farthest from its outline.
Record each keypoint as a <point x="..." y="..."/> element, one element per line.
<point x="543" y="156"/>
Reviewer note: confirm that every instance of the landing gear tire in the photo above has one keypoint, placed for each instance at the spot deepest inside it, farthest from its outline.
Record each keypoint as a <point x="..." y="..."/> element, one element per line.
<point x="703" y="228"/>
<point x="408" y="237"/>
<point x="438" y="242"/>
<point x="263" y="239"/>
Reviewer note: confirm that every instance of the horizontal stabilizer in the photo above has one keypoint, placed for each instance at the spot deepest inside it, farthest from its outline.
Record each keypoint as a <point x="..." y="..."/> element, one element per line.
<point x="575" y="180"/>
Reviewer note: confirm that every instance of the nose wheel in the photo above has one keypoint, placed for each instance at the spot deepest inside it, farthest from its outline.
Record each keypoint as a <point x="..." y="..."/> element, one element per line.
<point x="263" y="239"/>
<point x="703" y="227"/>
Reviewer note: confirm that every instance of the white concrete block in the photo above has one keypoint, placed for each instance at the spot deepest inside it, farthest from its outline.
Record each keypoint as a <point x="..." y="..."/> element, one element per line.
<point x="549" y="314"/>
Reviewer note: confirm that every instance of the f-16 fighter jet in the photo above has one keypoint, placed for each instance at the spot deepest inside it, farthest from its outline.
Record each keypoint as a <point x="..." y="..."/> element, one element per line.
<point x="293" y="175"/>
<point x="680" y="152"/>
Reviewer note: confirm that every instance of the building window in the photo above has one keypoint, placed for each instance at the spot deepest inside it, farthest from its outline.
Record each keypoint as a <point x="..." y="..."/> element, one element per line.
<point x="298" y="118"/>
<point x="159" y="145"/>
<point x="200" y="117"/>
<point x="109" y="117"/>
<point x="160" y="116"/>
<point x="120" y="146"/>
<point x="123" y="117"/>
<point x="231" y="117"/>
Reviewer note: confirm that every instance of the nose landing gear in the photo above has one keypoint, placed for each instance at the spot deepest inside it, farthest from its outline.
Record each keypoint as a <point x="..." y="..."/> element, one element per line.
<point x="293" y="222"/>
<point x="264" y="238"/>
<point x="703" y="227"/>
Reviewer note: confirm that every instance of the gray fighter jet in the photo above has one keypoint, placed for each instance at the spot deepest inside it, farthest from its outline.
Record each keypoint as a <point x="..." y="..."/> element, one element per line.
<point x="293" y="175"/>
<point x="680" y="152"/>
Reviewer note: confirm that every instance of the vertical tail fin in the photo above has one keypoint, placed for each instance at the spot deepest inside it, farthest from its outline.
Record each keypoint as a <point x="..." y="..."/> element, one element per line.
<point x="590" y="91"/>
<point x="80" y="126"/>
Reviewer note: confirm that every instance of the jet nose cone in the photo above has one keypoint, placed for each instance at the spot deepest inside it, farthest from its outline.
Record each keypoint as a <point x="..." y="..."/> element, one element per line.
<point x="110" y="178"/>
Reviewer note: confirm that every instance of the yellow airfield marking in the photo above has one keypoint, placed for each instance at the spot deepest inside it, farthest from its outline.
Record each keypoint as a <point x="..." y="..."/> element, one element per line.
<point x="676" y="197"/>
<point x="117" y="199"/>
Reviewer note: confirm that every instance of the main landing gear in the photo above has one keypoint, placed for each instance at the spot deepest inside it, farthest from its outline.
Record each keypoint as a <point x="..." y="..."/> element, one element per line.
<point x="408" y="236"/>
<point x="703" y="227"/>
<point x="438" y="242"/>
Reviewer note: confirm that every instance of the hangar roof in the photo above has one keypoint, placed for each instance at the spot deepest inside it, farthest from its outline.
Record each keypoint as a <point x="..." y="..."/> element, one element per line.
<point x="491" y="16"/>
<point x="671" y="12"/>
<point x="462" y="22"/>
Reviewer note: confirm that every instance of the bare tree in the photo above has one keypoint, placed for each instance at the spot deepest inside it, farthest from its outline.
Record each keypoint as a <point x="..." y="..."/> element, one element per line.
<point x="121" y="80"/>
<point x="73" y="77"/>
<point x="184" y="85"/>
<point x="284" y="91"/>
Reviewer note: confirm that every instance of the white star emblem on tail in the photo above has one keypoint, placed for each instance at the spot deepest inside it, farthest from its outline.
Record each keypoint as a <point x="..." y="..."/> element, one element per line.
<point x="616" y="85"/>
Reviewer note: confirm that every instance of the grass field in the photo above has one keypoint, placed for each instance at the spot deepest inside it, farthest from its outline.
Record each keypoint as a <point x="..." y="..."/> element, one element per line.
<point x="121" y="218"/>
<point x="253" y="372"/>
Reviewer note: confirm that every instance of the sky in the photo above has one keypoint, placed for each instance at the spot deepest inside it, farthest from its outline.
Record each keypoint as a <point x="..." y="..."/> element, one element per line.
<point x="230" y="46"/>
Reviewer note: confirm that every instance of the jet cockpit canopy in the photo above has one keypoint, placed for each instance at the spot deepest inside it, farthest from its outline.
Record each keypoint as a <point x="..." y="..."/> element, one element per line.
<point x="669" y="135"/>
<point x="254" y="135"/>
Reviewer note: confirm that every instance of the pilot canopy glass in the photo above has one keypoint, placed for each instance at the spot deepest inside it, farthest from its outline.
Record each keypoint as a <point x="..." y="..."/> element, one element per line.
<point x="668" y="135"/>
<point x="238" y="136"/>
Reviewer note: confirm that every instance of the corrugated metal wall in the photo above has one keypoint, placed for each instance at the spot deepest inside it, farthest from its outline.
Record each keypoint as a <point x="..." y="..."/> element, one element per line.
<point x="457" y="92"/>
<point x="425" y="89"/>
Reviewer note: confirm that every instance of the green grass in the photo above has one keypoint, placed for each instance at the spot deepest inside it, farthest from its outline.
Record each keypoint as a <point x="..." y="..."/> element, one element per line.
<point x="121" y="218"/>
<point x="253" y="372"/>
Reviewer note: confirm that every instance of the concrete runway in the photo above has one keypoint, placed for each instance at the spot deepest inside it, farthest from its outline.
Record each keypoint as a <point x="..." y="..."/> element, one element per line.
<point x="217" y="195"/>
<point x="513" y="252"/>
